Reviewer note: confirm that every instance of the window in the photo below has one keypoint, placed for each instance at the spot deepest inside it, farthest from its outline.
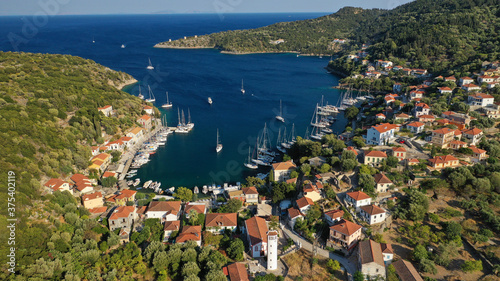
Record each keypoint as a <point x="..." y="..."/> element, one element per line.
<point x="256" y="248"/>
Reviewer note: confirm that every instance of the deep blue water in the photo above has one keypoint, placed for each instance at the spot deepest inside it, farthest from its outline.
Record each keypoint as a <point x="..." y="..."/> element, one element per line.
<point x="190" y="76"/>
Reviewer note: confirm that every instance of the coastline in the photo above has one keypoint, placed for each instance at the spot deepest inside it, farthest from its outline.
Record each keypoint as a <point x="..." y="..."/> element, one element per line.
<point x="125" y="83"/>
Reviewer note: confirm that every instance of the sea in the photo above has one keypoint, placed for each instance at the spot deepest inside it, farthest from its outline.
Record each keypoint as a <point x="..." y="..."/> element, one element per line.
<point x="190" y="77"/>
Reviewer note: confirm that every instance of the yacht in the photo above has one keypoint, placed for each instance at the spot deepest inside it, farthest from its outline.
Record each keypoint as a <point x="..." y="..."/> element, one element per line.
<point x="249" y="163"/>
<point x="123" y="46"/>
<point x="168" y="104"/>
<point x="209" y="100"/>
<point x="150" y="66"/>
<point x="218" y="148"/>
<point x="242" y="89"/>
<point x="280" y="116"/>
<point x="151" y="96"/>
<point x="140" y="94"/>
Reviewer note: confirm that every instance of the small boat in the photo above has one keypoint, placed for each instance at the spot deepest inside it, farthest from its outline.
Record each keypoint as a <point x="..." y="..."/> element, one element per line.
<point x="136" y="182"/>
<point x="123" y="46"/>
<point x="218" y="148"/>
<point x="93" y="40"/>
<point x="147" y="184"/>
<point x="280" y="117"/>
<point x="140" y="94"/>
<point x="249" y="163"/>
<point x="150" y="66"/>
<point x="168" y="104"/>
<point x="196" y="190"/>
<point x="171" y="190"/>
<point x="151" y="96"/>
<point x="205" y="189"/>
<point x="210" y="100"/>
<point x="242" y="89"/>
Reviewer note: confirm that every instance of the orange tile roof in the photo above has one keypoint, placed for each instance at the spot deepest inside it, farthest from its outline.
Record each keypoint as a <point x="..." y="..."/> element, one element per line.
<point x="375" y="153"/>
<point x="54" y="184"/>
<point x="477" y="150"/>
<point x="170" y="207"/>
<point x="458" y="142"/>
<point x="108" y="174"/>
<point x="98" y="210"/>
<point x="172" y="226"/>
<point x="294" y="180"/>
<point x="473" y="132"/>
<point x="358" y="195"/>
<point x="200" y="209"/>
<point x="350" y="148"/>
<point x="303" y="202"/>
<point x="381" y="179"/>
<point x="92" y="196"/>
<point x="422" y="105"/>
<point x="372" y="210"/>
<point x="145" y="117"/>
<point x="386" y="248"/>
<point x="122" y="212"/>
<point x="221" y="220"/>
<point x="426" y="116"/>
<point x="444" y="89"/>
<point x="250" y="190"/>
<point x="101" y="156"/>
<point x="335" y="214"/>
<point x="406" y="271"/>
<point x="257" y="230"/>
<point x="444" y="131"/>
<point x="294" y="212"/>
<point x="128" y="193"/>
<point x="191" y="232"/>
<point x="416" y="124"/>
<point x="346" y="227"/>
<point x="384" y="127"/>
<point x="79" y="177"/>
<point x="104" y="107"/>
<point x="81" y="185"/>
<point x="136" y="130"/>
<point x="402" y="115"/>
<point x="237" y="272"/>
<point x="284" y="165"/>
<point x="399" y="149"/>
<point x="442" y="159"/>
<point x="413" y="160"/>
<point x="148" y="107"/>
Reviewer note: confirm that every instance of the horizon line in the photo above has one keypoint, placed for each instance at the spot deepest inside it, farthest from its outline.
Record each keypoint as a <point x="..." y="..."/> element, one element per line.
<point x="167" y="13"/>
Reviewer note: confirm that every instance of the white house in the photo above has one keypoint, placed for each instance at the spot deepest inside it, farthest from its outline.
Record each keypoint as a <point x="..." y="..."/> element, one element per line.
<point x="380" y="134"/>
<point x="481" y="99"/>
<point x="416" y="127"/>
<point x="466" y="80"/>
<point x="256" y="229"/>
<point x="358" y="199"/>
<point x="169" y="228"/>
<point x="421" y="109"/>
<point x="387" y="252"/>
<point x="372" y="214"/>
<point x="383" y="182"/>
<point x="164" y="210"/>
<point x="218" y="222"/>
<point x="57" y="184"/>
<point x="282" y="170"/>
<point x="304" y="204"/>
<point x="293" y="215"/>
<point x="370" y="259"/>
<point x="472" y="136"/>
<point x="107" y="110"/>
<point x="334" y="216"/>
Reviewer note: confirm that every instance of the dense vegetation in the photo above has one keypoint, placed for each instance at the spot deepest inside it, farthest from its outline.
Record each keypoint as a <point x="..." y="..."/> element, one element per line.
<point x="48" y="121"/>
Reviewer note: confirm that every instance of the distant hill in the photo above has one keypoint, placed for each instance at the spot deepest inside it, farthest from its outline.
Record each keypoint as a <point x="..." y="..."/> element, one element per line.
<point x="430" y="34"/>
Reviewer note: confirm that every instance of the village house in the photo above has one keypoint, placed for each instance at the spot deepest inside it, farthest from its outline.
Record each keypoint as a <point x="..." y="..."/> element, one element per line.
<point x="169" y="228"/>
<point x="412" y="162"/>
<point x="333" y="216"/>
<point x="370" y="259"/>
<point x="282" y="170"/>
<point x="381" y="134"/>
<point x="383" y="183"/>
<point x="416" y="94"/>
<point x="470" y="87"/>
<point x="426" y="118"/>
<point x="406" y="271"/>
<point x="380" y="116"/>
<point x="317" y="161"/>
<point x="389" y="99"/>
<point x="441" y="162"/>
<point x="218" y="222"/>
<point x="387" y="252"/>
<point x="456" y="144"/>
<point x="251" y="195"/>
<point x="189" y="233"/>
<point x="358" y="199"/>
<point x="145" y="121"/>
<point x="237" y="194"/>
<point x="416" y="127"/>
<point x="76" y="178"/>
<point x="57" y="185"/>
<point x="399" y="152"/>
<point x="481" y="99"/>
<point x="487" y="79"/>
<point x="445" y="90"/>
<point x="293" y="215"/>
<point x="450" y="79"/>
<point x="304" y="204"/>
<point x="345" y="233"/>
<point x="372" y="214"/>
<point x="148" y="109"/>
<point x="100" y="162"/>
<point x="136" y="134"/>
<point x="472" y="136"/>
<point x="312" y="191"/>
<point x="478" y="154"/>
<point x="109" y="174"/>
<point x="199" y="208"/>
<point x="350" y="148"/>
<point x="107" y="110"/>
<point x="236" y="272"/>
<point x="491" y="111"/>
<point x="122" y="197"/>
<point x="164" y="210"/>
<point x="459" y="119"/>
<point x="466" y="80"/>
<point x="442" y="137"/>
<point x="122" y="217"/>
<point x="374" y="157"/>
<point x="82" y="184"/>
<point x="256" y="229"/>
<point x="401" y="116"/>
<point x="421" y="109"/>
<point x="93" y="200"/>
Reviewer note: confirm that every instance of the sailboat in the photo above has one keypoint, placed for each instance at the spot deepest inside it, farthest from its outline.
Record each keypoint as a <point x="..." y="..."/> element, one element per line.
<point x="278" y="142"/>
<point x="218" y="148"/>
<point x="280" y="117"/>
<point x="150" y="66"/>
<point x="168" y="104"/>
<point x="151" y="96"/>
<point x="242" y="89"/>
<point x="140" y="94"/>
<point x="315" y="118"/>
<point x="249" y="163"/>
<point x="189" y="125"/>
<point x="210" y="100"/>
<point x="181" y="127"/>
<point x="93" y="40"/>
<point x="123" y="46"/>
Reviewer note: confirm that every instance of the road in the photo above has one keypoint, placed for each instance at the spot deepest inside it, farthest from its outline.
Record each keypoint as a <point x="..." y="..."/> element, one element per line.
<point x="350" y="268"/>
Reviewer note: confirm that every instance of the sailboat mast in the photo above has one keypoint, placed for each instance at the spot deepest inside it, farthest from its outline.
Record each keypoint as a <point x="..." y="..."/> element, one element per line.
<point x="189" y="117"/>
<point x="179" y="116"/>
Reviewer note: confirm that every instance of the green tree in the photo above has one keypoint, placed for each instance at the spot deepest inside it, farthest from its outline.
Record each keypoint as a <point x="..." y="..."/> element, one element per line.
<point x="471" y="266"/>
<point x="420" y="253"/>
<point x="358" y="276"/>
<point x="351" y="112"/>
<point x="236" y="249"/>
<point x="333" y="265"/>
<point x="184" y="194"/>
<point x="109" y="181"/>
<point x="190" y="268"/>
<point x="305" y="169"/>
<point x="232" y="206"/>
<point x="325" y="168"/>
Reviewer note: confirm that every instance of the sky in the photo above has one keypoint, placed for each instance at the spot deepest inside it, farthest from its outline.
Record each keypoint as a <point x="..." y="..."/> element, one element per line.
<point x="86" y="7"/>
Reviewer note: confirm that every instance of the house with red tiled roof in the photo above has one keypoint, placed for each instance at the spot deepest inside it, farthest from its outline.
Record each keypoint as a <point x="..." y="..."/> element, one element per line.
<point x="380" y="116"/>
<point x="107" y="110"/>
<point x="334" y="216"/>
<point x="109" y="174"/>
<point x="237" y="194"/>
<point x="416" y="127"/>
<point x="470" y="87"/>
<point x="370" y="259"/>
<point x="148" y="109"/>
<point x="293" y="215"/>
<point x="478" y="154"/>
<point x="251" y="194"/>
<point x="399" y="152"/>
<point x="481" y="99"/>
<point x="122" y="197"/>
<point x="97" y="211"/>
<point x="256" y="229"/>
<point x="199" y="208"/>
<point x="374" y="157"/>
<point x="466" y="80"/>
<point x="450" y="79"/>
<point x="456" y="144"/>
<point x="218" y="222"/>
<point x="387" y="252"/>
<point x="426" y="118"/>
<point x="406" y="271"/>
<point x="473" y="136"/>
<point x="304" y="204"/>
<point x="445" y="90"/>
<point x="412" y="162"/>
<point x="421" y="109"/>
<point x="383" y="183"/>
<point x="381" y="134"/>
<point x="416" y="94"/>
<point x="441" y="162"/>
<point x="442" y="137"/>
<point x="372" y="214"/>
<point x="169" y="228"/>
<point x="282" y="170"/>
<point x="136" y="134"/>
<point x="236" y="272"/>
<point x="345" y="233"/>
<point x="93" y="200"/>
<point x="164" y="210"/>
<point x="401" y="116"/>
<point x="189" y="233"/>
<point x="311" y="191"/>
<point x="350" y="148"/>
<point x="57" y="185"/>
<point x="145" y="121"/>
<point x="358" y="199"/>
<point x="100" y="162"/>
<point x="122" y="217"/>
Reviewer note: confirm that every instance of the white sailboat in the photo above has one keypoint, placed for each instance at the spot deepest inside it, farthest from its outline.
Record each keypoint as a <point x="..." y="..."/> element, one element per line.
<point x="249" y="163"/>
<point x="168" y="104"/>
<point x="123" y="46"/>
<point x="278" y="142"/>
<point x="242" y="89"/>
<point x="315" y="119"/>
<point x="218" y="148"/>
<point x="150" y="66"/>
<point x="280" y="117"/>
<point x="210" y="100"/>
<point x="151" y="96"/>
<point x="189" y="125"/>
<point x="140" y="94"/>
<point x="93" y="40"/>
